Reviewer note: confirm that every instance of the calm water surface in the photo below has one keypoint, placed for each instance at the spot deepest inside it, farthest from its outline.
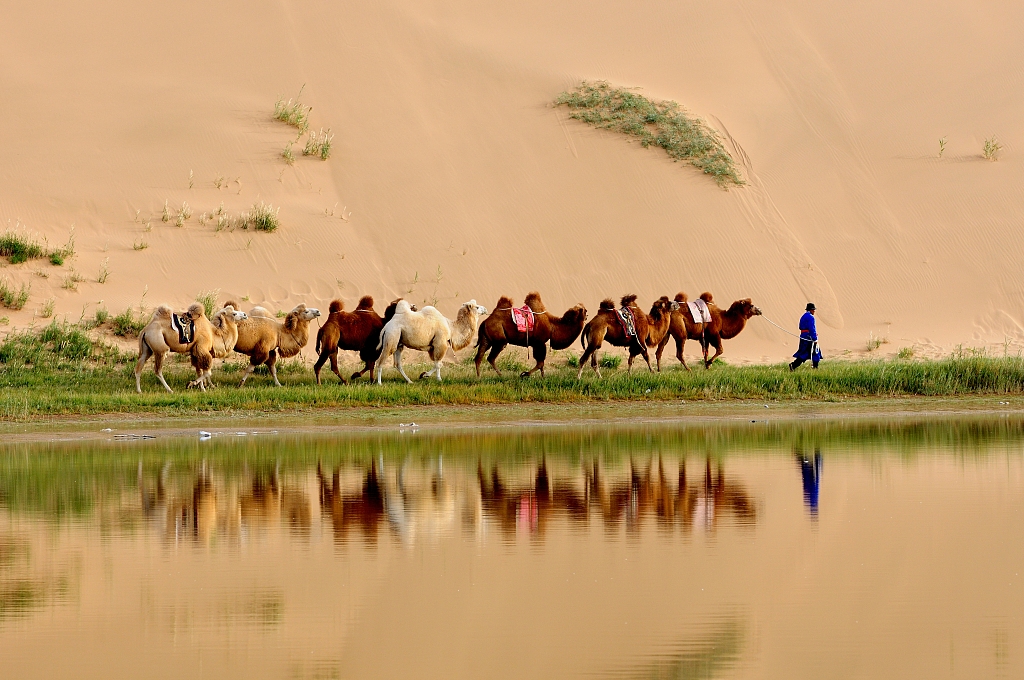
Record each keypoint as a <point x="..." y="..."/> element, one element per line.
<point x="863" y="549"/>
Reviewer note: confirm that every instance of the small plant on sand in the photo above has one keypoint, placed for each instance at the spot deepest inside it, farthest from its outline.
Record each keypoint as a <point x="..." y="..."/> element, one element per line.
<point x="104" y="271"/>
<point x="991" y="148"/>
<point x="191" y="179"/>
<point x="46" y="310"/>
<point x="18" y="247"/>
<point x="71" y="280"/>
<point x="874" y="342"/>
<point x="262" y="217"/>
<point x="56" y="259"/>
<point x="220" y="182"/>
<point x="287" y="154"/>
<point x="127" y="324"/>
<point x="572" y="361"/>
<point x="140" y="245"/>
<point x="208" y="299"/>
<point x="184" y="214"/>
<point x="942" y="146"/>
<point x="293" y="112"/>
<point x="4" y="320"/>
<point x="281" y="314"/>
<point x="905" y="353"/>
<point x="663" y="124"/>
<point x="102" y="316"/>
<point x="319" y="144"/>
<point x="610" y="361"/>
<point x="11" y="298"/>
<point x="165" y="216"/>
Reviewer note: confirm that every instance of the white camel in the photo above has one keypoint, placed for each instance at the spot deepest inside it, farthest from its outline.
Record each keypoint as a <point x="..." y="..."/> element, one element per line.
<point x="427" y="330"/>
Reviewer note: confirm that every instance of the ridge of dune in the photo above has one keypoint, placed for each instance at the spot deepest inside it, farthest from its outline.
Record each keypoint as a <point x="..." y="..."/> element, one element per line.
<point x="453" y="177"/>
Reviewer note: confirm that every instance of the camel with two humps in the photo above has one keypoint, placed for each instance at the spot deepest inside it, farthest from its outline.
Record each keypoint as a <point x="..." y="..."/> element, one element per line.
<point x="264" y="339"/>
<point x="727" y="324"/>
<point x="427" y="330"/>
<point x="650" y="329"/>
<point x="357" y="331"/>
<point x="499" y="330"/>
<point x="209" y="339"/>
<point x="682" y="327"/>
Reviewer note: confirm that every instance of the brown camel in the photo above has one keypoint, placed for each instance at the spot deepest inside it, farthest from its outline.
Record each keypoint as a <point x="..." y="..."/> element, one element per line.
<point x="263" y="339"/>
<point x="358" y="331"/>
<point x="659" y="320"/>
<point x="499" y="330"/>
<point x="606" y="326"/>
<point x="727" y="324"/>
<point x="683" y="328"/>
<point x="159" y="337"/>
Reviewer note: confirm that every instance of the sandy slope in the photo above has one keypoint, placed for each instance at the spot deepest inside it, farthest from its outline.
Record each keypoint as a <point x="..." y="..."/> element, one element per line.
<point x="462" y="181"/>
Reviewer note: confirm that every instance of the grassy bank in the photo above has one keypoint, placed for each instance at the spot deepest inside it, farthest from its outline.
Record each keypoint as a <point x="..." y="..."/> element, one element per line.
<point x="60" y="371"/>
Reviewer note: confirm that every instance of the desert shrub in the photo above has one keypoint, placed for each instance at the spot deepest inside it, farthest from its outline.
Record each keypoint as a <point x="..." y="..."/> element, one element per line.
<point x="991" y="148"/>
<point x="208" y="298"/>
<point x="127" y="324"/>
<point x="610" y="361"/>
<point x="293" y="112"/>
<point x="18" y="247"/>
<point x="66" y="340"/>
<point x="13" y="298"/>
<point x="102" y="316"/>
<point x="572" y="361"/>
<point x="262" y="217"/>
<point x="319" y="144"/>
<point x="655" y="123"/>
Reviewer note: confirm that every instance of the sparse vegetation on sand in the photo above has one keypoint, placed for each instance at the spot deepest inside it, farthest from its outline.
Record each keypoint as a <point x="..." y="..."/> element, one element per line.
<point x="991" y="148"/>
<point x="261" y="217"/>
<point x="208" y="299"/>
<point x="60" y="370"/>
<point x="18" y="247"/>
<point x="127" y="324"/>
<point x="655" y="123"/>
<point x="319" y="144"/>
<point x="293" y="112"/>
<point x="14" y="298"/>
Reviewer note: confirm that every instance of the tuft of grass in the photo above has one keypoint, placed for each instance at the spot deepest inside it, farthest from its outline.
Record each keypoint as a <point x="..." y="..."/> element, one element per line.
<point x="610" y="361"/>
<point x="46" y="311"/>
<point x="942" y="146"/>
<point x="184" y="214"/>
<point x="4" y="320"/>
<point x="165" y="216"/>
<point x="281" y="314"/>
<point x="874" y="342"/>
<point x="319" y="144"/>
<point x="572" y="361"/>
<point x="287" y="154"/>
<point x="991" y="148"/>
<point x="127" y="324"/>
<point x="71" y="280"/>
<point x="102" y="316"/>
<point x="104" y="271"/>
<point x="18" y="247"/>
<point x="56" y="259"/>
<point x="905" y="353"/>
<point x="293" y="112"/>
<point x="140" y="245"/>
<point x="664" y="124"/>
<point x="262" y="217"/>
<point x="208" y="298"/>
<point x="11" y="298"/>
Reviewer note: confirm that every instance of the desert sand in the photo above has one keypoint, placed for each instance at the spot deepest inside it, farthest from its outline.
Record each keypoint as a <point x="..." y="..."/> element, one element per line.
<point x="453" y="176"/>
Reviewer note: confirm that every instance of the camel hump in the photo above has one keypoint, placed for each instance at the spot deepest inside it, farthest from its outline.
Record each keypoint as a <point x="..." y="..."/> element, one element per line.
<point x="232" y="303"/>
<point x="706" y="297"/>
<point x="504" y="302"/>
<point x="163" y="312"/>
<point x="365" y="302"/>
<point x="627" y="300"/>
<point x="608" y="305"/>
<point x="534" y="302"/>
<point x="682" y="297"/>
<point x="336" y="306"/>
<point x="196" y="310"/>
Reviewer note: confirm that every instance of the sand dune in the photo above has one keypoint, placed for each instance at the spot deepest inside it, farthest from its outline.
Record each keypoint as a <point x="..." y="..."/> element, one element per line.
<point x="459" y="180"/>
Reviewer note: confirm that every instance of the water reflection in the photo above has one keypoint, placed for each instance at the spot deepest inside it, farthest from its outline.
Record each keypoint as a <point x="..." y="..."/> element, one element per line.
<point x="810" y="475"/>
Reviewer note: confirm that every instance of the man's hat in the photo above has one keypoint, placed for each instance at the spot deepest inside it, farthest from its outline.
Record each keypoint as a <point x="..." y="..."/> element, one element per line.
<point x="811" y="307"/>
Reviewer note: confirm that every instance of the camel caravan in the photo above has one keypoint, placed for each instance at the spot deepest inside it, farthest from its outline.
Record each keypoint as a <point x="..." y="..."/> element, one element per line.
<point x="263" y="338"/>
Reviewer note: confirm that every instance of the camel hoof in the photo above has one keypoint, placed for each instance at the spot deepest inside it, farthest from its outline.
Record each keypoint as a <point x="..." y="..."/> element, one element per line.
<point x="423" y="375"/>
<point x="524" y="374"/>
<point x="355" y="376"/>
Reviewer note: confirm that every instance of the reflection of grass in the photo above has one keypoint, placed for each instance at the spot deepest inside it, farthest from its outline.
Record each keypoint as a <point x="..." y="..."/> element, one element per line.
<point x="655" y="123"/>
<point x="705" y="657"/>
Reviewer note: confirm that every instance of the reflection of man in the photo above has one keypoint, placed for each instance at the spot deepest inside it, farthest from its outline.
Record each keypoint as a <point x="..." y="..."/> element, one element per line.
<point x="810" y="471"/>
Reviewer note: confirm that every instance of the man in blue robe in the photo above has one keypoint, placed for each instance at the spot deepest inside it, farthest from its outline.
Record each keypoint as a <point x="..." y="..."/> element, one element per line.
<point x="808" y="340"/>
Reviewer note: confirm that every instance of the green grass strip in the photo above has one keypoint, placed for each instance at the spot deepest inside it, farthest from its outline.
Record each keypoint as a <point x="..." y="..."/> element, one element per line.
<point x="655" y="123"/>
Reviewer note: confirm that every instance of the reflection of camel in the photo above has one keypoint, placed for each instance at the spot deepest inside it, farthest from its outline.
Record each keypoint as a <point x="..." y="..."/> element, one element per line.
<point x="364" y="510"/>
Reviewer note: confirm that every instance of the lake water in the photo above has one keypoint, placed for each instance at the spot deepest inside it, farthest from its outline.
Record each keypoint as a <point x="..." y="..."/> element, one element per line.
<point x="826" y="549"/>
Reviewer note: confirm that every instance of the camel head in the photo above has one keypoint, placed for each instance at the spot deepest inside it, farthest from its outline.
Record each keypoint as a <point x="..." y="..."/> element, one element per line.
<point x="229" y="310"/>
<point x="300" y="313"/>
<point x="744" y="308"/>
<point x="472" y="306"/>
<point x="578" y="314"/>
<point x="663" y="307"/>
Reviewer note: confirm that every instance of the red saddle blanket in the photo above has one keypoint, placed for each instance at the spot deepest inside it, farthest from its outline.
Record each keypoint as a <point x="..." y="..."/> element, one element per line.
<point x="523" y="318"/>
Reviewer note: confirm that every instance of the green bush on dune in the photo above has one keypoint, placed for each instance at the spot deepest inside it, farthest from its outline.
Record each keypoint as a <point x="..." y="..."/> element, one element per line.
<point x="655" y="123"/>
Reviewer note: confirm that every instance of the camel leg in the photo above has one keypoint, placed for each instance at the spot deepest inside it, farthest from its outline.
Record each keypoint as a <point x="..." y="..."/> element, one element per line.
<point x="254" y="361"/>
<point x="493" y="357"/>
<point x="320" y="361"/>
<point x="144" y="353"/>
<point x="590" y="353"/>
<point x="334" y="367"/>
<point x="158" y="368"/>
<point x="629" y="362"/>
<point x="646" y="355"/>
<point x="680" y="343"/>
<point x="717" y="342"/>
<point x="481" y="348"/>
<point x="398" y="363"/>
<point x="272" y="365"/>
<point x="661" y="348"/>
<point x="540" y="353"/>
<point x="367" y="368"/>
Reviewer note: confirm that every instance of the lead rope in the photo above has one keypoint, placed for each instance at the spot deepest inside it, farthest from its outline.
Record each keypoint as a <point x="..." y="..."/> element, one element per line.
<point x="814" y="343"/>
